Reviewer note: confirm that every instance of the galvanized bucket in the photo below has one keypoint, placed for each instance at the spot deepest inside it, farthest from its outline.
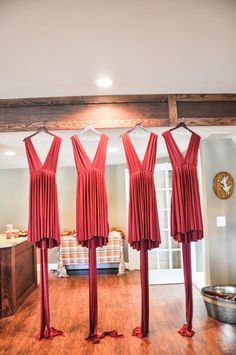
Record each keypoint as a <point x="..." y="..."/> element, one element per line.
<point x="221" y="302"/>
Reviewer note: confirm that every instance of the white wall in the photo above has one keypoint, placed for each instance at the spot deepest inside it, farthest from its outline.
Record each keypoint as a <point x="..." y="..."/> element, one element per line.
<point x="60" y="47"/>
<point x="14" y="192"/>
<point x="14" y="195"/>
<point x="115" y="181"/>
<point x="219" y="155"/>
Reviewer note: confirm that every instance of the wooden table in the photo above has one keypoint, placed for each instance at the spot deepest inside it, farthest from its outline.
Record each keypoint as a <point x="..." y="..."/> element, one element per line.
<point x="18" y="273"/>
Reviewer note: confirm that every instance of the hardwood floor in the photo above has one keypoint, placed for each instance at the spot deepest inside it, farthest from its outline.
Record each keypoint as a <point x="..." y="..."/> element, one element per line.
<point x="119" y="301"/>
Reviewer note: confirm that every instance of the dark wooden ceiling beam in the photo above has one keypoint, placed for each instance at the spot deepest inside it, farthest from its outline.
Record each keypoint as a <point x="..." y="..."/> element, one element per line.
<point x="206" y="97"/>
<point x="206" y="121"/>
<point x="117" y="111"/>
<point x="82" y="100"/>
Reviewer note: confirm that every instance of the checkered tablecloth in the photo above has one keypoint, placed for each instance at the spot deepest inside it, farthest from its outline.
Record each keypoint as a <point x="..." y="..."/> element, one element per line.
<point x="70" y="253"/>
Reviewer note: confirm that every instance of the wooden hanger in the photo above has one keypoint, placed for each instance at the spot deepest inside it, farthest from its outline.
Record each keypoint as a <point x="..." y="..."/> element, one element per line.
<point x="181" y="124"/>
<point x="39" y="130"/>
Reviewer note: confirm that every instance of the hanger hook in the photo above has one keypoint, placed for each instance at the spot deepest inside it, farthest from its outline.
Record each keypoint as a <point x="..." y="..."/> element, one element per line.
<point x="42" y="124"/>
<point x="88" y="123"/>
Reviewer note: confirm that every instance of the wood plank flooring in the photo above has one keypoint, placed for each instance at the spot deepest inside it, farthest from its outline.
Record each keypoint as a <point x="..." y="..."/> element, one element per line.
<point x="119" y="301"/>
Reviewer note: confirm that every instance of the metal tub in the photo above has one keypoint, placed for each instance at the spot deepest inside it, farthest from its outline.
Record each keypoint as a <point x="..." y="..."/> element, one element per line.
<point x="220" y="308"/>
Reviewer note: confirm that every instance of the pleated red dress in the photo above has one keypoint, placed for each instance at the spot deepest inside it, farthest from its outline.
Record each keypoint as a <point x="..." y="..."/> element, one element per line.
<point x="43" y="226"/>
<point x="43" y="207"/>
<point x="186" y="216"/>
<point x="143" y="223"/>
<point x="92" y="227"/>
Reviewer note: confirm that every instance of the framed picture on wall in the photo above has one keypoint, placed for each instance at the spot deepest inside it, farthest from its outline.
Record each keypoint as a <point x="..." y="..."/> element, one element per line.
<point x="223" y="185"/>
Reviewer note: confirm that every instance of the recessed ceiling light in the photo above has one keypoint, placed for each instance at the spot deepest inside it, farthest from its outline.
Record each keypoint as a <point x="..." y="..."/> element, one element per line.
<point x="9" y="153"/>
<point x="104" y="82"/>
<point x="112" y="149"/>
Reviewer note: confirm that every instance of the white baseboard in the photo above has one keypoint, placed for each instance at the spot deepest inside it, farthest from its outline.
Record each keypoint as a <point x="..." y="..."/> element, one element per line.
<point x="52" y="266"/>
<point x="127" y="266"/>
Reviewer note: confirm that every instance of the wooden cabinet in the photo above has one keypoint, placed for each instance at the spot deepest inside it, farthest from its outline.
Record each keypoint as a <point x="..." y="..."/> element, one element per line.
<point x="18" y="276"/>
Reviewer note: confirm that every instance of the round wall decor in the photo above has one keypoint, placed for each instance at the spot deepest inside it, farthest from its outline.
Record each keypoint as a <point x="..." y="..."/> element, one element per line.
<point x="223" y="185"/>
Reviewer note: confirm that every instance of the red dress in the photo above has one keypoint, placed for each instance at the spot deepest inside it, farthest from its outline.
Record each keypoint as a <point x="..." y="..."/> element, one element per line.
<point x="186" y="216"/>
<point x="143" y="223"/>
<point x="43" y="228"/>
<point x="91" y="217"/>
<point x="91" y="198"/>
<point x="43" y="205"/>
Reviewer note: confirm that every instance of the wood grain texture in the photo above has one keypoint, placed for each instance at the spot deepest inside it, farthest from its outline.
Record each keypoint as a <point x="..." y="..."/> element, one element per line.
<point x="65" y="113"/>
<point x="77" y="112"/>
<point x="206" y="121"/>
<point x="206" y="97"/>
<point x="209" y="109"/>
<point x="119" y="308"/>
<point x="173" y="113"/>
<point x="17" y="276"/>
<point x="82" y="100"/>
<point x="7" y="293"/>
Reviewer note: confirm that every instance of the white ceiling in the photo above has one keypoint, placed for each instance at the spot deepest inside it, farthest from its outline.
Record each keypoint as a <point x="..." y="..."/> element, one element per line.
<point x="60" y="47"/>
<point x="14" y="142"/>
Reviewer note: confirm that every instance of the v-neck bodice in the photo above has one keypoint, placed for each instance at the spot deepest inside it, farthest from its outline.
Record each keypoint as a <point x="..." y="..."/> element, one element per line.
<point x="82" y="160"/>
<point x="176" y="157"/>
<point x="133" y="161"/>
<point x="50" y="163"/>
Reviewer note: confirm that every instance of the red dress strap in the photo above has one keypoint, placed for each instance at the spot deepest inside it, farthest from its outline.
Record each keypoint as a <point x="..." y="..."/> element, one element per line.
<point x="100" y="156"/>
<point x="150" y="156"/>
<point x="52" y="157"/>
<point x="193" y="149"/>
<point x="133" y="162"/>
<point x="82" y="161"/>
<point x="32" y="157"/>
<point x="51" y="160"/>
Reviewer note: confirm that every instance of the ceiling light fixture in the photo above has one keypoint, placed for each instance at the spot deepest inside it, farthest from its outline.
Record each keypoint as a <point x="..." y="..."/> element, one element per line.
<point x="104" y="82"/>
<point x="9" y="153"/>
